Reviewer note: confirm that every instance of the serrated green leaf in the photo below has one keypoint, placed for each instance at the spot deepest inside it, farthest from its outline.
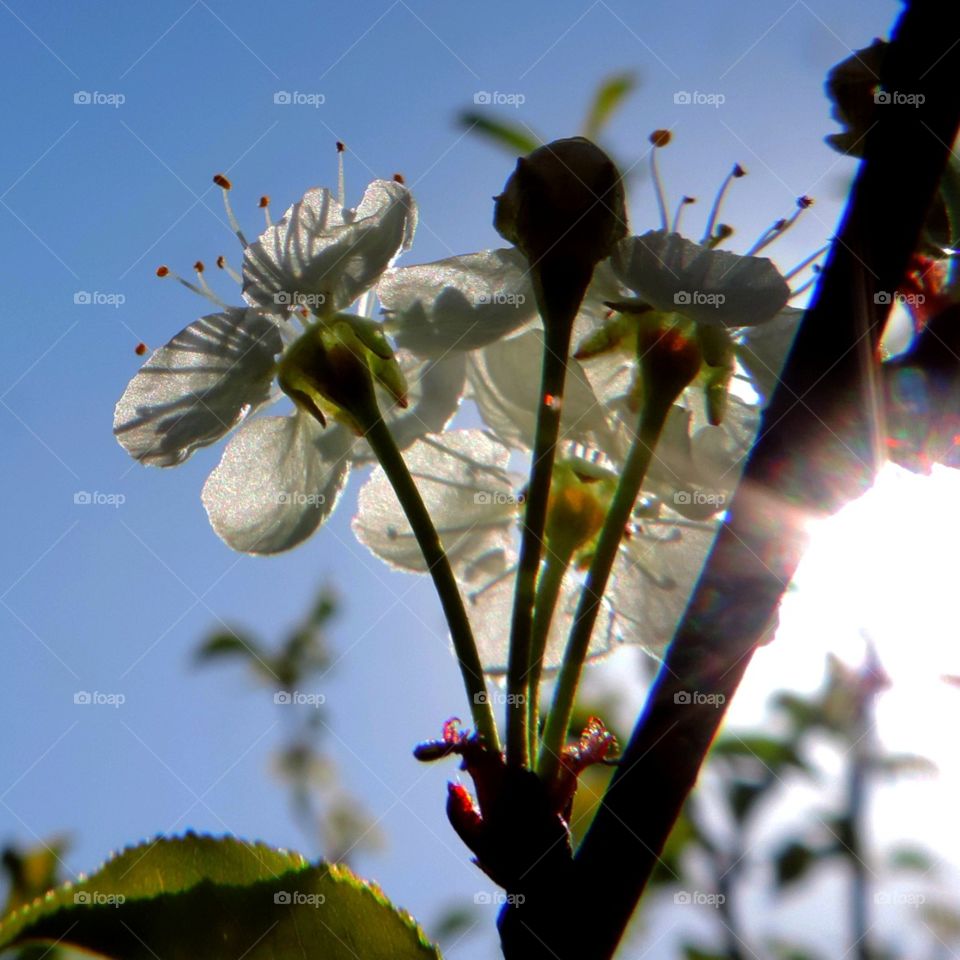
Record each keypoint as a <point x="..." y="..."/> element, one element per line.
<point x="194" y="896"/>
<point x="502" y="133"/>
<point x="611" y="93"/>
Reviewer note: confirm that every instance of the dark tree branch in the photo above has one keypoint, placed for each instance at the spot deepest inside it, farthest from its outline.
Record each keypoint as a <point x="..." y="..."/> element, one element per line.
<point x="817" y="450"/>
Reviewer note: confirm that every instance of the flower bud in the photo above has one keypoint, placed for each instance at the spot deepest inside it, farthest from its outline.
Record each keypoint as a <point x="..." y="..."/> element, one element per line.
<point x="564" y="201"/>
<point x="576" y="511"/>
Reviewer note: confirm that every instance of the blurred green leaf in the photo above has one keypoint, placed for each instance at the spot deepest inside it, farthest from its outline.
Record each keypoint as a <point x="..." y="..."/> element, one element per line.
<point x="610" y="95"/>
<point x="742" y="796"/>
<point x="904" y="764"/>
<point x="507" y="134"/>
<point x="772" y="753"/>
<point x="912" y="859"/>
<point x="693" y="952"/>
<point x="226" y="644"/>
<point x="198" y="896"/>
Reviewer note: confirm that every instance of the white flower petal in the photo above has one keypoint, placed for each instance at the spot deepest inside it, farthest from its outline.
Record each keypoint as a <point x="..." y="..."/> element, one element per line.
<point x="672" y="273"/>
<point x="654" y="577"/>
<point x="198" y="387"/>
<point x="462" y="478"/>
<point x="325" y="258"/>
<point x="504" y="380"/>
<point x="278" y="480"/>
<point x="461" y="303"/>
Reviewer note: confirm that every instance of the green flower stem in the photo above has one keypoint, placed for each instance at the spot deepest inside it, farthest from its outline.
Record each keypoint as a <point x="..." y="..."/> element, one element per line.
<point x="384" y="446"/>
<point x="554" y="371"/>
<point x="635" y="470"/>
<point x="548" y="591"/>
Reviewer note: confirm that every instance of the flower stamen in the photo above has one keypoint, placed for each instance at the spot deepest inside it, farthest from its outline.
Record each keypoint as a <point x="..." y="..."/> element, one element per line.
<point x="659" y="138"/>
<point x="780" y="227"/>
<point x="265" y="207"/>
<point x="228" y="270"/>
<point x="341" y="187"/>
<point x="225" y="185"/>
<point x="684" y="202"/>
<point x="735" y="174"/>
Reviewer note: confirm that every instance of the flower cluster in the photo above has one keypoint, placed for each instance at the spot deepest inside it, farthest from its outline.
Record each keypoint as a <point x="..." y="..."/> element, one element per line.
<point x="468" y="327"/>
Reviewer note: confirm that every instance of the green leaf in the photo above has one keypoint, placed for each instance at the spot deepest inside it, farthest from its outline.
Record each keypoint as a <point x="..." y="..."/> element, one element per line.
<point x="192" y="897"/>
<point x="502" y="133"/>
<point x="225" y="645"/>
<point x="609" y="96"/>
<point x="742" y="796"/>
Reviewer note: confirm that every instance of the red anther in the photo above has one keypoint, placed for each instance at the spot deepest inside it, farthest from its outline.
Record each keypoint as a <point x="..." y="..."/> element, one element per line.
<point x="341" y="148"/>
<point x="738" y="171"/>
<point x="221" y="261"/>
<point x="804" y="202"/>
<point x="162" y="271"/>
<point x="199" y="267"/>
<point x="140" y="349"/>
<point x="660" y="138"/>
<point x="221" y="181"/>
<point x="264" y="201"/>
<point x="398" y="178"/>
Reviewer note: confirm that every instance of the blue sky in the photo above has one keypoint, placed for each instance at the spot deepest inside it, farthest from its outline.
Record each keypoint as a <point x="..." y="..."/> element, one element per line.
<point x="94" y="195"/>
